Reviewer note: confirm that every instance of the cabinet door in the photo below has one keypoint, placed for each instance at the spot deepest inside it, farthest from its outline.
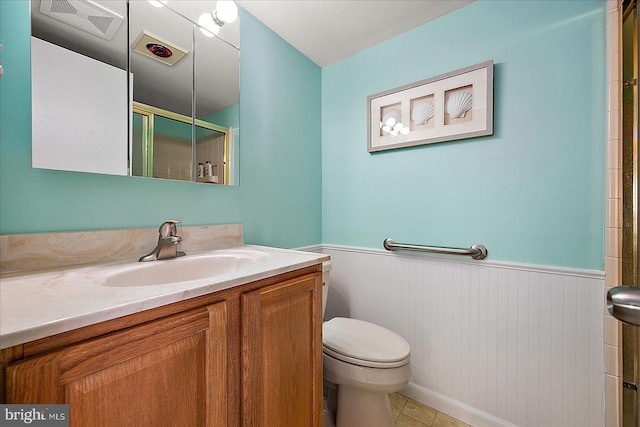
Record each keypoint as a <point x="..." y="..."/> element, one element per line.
<point x="154" y="374"/>
<point x="282" y="354"/>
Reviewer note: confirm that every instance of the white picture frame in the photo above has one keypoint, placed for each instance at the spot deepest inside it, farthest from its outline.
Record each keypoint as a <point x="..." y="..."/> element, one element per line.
<point x="452" y="106"/>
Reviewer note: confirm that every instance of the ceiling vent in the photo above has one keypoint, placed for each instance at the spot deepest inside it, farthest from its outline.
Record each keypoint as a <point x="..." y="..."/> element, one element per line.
<point x="85" y="15"/>
<point x="161" y="50"/>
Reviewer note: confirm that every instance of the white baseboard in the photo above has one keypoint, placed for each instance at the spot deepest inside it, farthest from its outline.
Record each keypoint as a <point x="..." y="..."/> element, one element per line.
<point x="453" y="408"/>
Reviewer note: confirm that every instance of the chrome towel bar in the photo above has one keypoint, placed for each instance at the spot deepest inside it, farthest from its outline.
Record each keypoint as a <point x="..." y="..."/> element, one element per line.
<point x="475" y="251"/>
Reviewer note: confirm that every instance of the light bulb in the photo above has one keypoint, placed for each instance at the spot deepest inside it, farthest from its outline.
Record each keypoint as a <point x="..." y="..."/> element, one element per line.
<point x="391" y="121"/>
<point x="226" y="11"/>
<point x="158" y="3"/>
<point x="208" y="27"/>
<point x="394" y="133"/>
<point x="398" y="126"/>
<point x="386" y="128"/>
<point x="405" y="131"/>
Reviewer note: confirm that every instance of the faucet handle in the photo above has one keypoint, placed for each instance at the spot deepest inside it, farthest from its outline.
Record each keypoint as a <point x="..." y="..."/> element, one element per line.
<point x="169" y="228"/>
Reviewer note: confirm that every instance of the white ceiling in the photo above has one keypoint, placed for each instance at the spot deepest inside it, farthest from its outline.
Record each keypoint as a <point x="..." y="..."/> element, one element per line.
<point x="327" y="31"/>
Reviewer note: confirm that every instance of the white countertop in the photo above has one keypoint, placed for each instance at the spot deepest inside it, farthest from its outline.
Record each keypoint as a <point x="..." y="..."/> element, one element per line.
<point x="38" y="305"/>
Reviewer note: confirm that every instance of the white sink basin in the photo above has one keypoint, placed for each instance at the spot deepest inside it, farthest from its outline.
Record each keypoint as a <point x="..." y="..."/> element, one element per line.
<point x="183" y="269"/>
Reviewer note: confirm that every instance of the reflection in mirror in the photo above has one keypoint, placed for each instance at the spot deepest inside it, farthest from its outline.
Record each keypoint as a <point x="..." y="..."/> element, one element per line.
<point x="161" y="61"/>
<point x="95" y="29"/>
<point x="217" y="102"/>
<point x="212" y="148"/>
<point x="161" y="57"/>
<point x="163" y="84"/>
<point x="184" y="87"/>
<point x="79" y="106"/>
<point x="162" y="147"/>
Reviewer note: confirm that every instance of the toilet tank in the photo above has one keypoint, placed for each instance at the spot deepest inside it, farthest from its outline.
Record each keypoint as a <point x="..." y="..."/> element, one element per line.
<point x="326" y="269"/>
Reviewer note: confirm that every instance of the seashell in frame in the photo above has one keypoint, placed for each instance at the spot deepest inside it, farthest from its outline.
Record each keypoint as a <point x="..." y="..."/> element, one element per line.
<point x="422" y="112"/>
<point x="391" y="117"/>
<point x="458" y="104"/>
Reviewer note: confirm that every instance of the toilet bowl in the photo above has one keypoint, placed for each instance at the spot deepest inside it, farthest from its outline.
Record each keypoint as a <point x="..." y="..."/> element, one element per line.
<point x="363" y="362"/>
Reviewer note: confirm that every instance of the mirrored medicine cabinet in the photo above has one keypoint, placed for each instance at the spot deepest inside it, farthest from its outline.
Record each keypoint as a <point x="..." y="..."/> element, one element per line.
<point x="129" y="88"/>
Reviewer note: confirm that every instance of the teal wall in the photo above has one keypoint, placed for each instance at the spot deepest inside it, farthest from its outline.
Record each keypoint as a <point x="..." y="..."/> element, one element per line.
<point x="172" y="127"/>
<point x="227" y="117"/>
<point x="278" y="201"/>
<point x="533" y="192"/>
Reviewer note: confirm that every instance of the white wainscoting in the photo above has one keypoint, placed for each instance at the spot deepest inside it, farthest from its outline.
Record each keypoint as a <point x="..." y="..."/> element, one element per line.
<point x="492" y="343"/>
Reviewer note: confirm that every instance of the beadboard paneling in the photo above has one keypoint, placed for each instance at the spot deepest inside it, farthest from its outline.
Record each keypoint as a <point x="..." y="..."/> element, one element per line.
<point x="519" y="343"/>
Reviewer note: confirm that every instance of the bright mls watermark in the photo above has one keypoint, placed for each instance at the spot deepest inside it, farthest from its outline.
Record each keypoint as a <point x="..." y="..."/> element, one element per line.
<point x="34" y="415"/>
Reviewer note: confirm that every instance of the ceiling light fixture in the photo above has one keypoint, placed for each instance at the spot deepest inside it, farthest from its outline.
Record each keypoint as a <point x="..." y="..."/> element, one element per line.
<point x="207" y="25"/>
<point x="225" y="12"/>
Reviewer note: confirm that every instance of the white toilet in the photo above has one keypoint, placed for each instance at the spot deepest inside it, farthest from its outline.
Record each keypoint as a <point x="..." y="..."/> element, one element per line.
<point x="364" y="362"/>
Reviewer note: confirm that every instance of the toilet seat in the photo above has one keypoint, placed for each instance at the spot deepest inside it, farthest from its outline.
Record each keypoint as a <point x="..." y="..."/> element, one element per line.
<point x="364" y="344"/>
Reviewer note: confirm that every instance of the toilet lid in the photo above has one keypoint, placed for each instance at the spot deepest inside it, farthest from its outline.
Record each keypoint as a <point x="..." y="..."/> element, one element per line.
<point x="359" y="342"/>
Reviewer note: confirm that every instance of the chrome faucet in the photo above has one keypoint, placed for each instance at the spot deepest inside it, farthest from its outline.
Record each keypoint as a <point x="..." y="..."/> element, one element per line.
<point x="168" y="242"/>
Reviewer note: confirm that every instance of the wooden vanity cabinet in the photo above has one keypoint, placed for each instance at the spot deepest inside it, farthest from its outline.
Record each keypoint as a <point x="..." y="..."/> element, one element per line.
<point x="250" y="356"/>
<point x="282" y="324"/>
<point x="155" y="373"/>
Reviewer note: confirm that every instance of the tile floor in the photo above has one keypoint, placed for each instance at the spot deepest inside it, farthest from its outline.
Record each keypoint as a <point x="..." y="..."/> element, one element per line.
<point x="409" y="413"/>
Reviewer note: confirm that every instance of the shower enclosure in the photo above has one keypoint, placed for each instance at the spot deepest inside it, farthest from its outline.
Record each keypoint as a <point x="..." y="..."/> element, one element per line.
<point x="630" y="341"/>
<point x="624" y="301"/>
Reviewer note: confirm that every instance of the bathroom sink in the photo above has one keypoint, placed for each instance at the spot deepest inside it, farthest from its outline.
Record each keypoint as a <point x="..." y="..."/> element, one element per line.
<point x="183" y="269"/>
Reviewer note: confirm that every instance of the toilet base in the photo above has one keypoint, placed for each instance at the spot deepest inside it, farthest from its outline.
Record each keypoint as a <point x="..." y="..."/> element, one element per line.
<point x="362" y="408"/>
<point x="328" y="416"/>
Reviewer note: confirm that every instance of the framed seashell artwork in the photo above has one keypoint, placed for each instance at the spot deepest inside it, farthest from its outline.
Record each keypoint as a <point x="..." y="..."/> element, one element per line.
<point x="451" y="106"/>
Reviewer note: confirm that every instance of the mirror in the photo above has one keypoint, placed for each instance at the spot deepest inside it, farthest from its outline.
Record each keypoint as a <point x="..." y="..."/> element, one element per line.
<point x="137" y="90"/>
